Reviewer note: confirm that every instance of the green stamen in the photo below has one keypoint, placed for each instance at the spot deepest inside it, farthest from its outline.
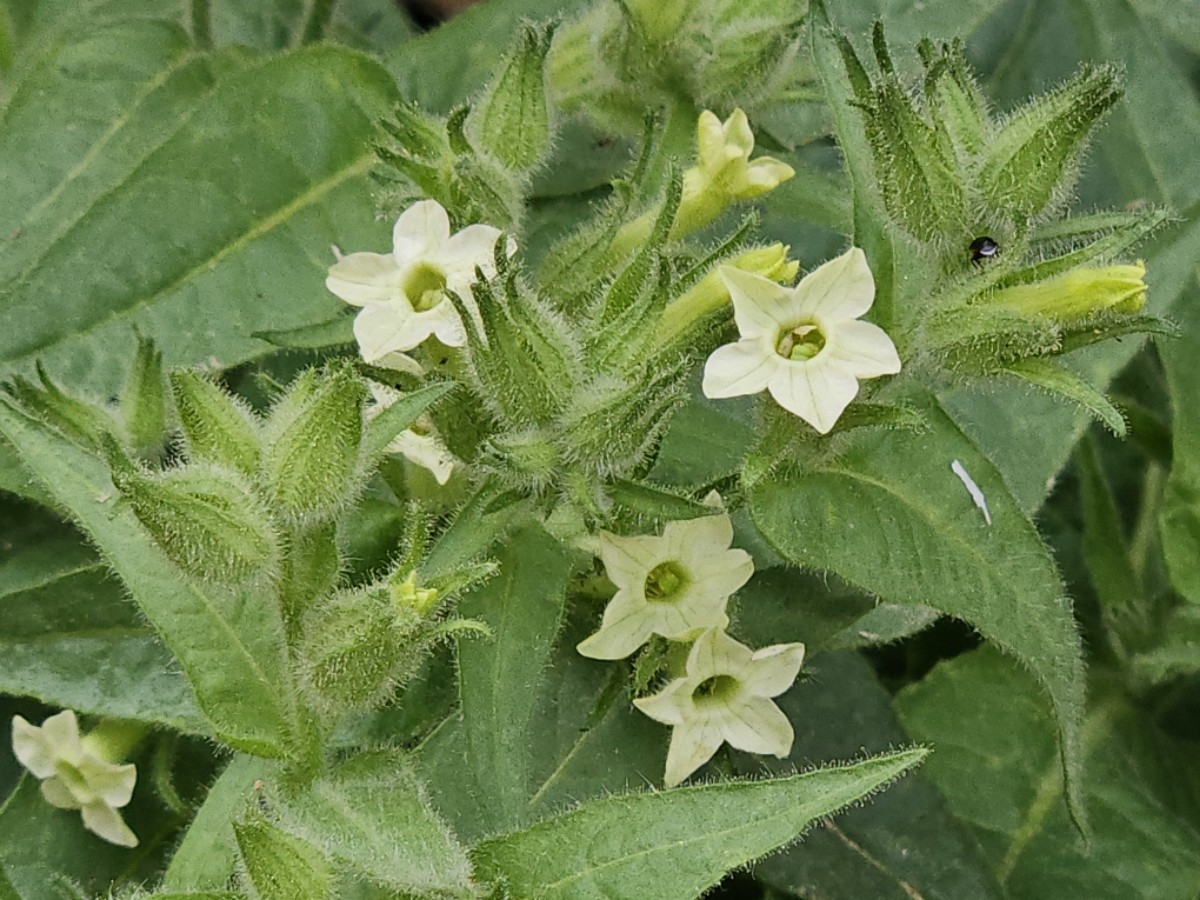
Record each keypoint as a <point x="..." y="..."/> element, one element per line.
<point x="664" y="582"/>
<point x="801" y="343"/>
<point x="717" y="689"/>
<point x="425" y="286"/>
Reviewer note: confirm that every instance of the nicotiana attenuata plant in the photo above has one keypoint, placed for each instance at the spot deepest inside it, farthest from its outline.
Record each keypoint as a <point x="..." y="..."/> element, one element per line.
<point x="507" y="396"/>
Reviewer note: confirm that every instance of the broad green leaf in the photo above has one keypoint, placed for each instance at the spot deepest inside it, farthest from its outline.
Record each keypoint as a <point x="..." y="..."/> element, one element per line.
<point x="904" y="844"/>
<point x="371" y="813"/>
<point x="279" y="24"/>
<point x="1179" y="651"/>
<point x="889" y="516"/>
<point x="192" y="196"/>
<point x="674" y="844"/>
<point x="7" y="891"/>
<point x="279" y="865"/>
<point x="230" y="647"/>
<point x="1179" y="521"/>
<point x="69" y="637"/>
<point x="499" y="677"/>
<point x="994" y="762"/>
<point x="206" y="857"/>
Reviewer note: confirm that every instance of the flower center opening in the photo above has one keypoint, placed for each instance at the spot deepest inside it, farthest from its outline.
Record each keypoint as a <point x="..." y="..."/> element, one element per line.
<point x="801" y="343"/>
<point x="717" y="689"/>
<point x="75" y="781"/>
<point x="665" y="582"/>
<point x="425" y="286"/>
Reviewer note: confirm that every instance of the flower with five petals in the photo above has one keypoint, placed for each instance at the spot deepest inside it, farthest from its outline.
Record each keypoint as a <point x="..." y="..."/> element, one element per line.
<point x="77" y="773"/>
<point x="725" y="696"/>
<point x="402" y="294"/>
<point x="805" y="345"/>
<point x="675" y="585"/>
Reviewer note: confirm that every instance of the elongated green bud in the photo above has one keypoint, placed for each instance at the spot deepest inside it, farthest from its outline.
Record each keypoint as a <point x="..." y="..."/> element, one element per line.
<point x="353" y="647"/>
<point x="217" y="427"/>
<point x="311" y="565"/>
<point x="1031" y="161"/>
<point x="144" y="402"/>
<point x="1079" y="292"/>
<point x="207" y="519"/>
<point x="511" y="121"/>
<point x="954" y="101"/>
<point x="82" y="422"/>
<point x="281" y="866"/>
<point x="310" y="459"/>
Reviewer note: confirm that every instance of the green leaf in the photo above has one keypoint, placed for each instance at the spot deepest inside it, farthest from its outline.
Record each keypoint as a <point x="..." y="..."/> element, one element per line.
<point x="675" y="844"/>
<point x="499" y="678"/>
<point x="995" y="765"/>
<point x="1059" y="380"/>
<point x="69" y="637"/>
<point x="206" y="857"/>
<point x="1179" y="521"/>
<point x="231" y="651"/>
<point x="371" y="813"/>
<point x="382" y="429"/>
<point x="889" y="516"/>
<point x="116" y="133"/>
<point x="904" y="844"/>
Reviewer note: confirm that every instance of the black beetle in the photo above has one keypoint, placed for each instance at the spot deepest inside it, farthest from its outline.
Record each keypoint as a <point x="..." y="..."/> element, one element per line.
<point x="983" y="248"/>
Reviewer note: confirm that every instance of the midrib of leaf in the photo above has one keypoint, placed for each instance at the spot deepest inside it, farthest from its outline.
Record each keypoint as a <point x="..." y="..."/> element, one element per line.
<point x="118" y="124"/>
<point x="862" y="852"/>
<point x="707" y="837"/>
<point x="1046" y="797"/>
<point x="108" y="631"/>
<point x="256" y="230"/>
<point x="50" y="579"/>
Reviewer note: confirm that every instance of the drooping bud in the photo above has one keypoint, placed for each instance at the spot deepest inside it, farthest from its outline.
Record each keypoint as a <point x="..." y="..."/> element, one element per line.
<point x="144" y="402"/>
<point x="281" y="866"/>
<point x="206" y="518"/>
<point x="217" y="427"/>
<point x="511" y="121"/>
<point x="310" y="459"/>
<point x="1078" y="292"/>
<point x="1029" y="162"/>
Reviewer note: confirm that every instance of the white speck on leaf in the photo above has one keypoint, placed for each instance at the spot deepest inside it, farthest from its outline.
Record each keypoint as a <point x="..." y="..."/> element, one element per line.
<point x="972" y="488"/>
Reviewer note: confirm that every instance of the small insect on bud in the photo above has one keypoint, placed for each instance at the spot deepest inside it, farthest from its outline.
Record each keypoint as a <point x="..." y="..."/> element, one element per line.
<point x="983" y="248"/>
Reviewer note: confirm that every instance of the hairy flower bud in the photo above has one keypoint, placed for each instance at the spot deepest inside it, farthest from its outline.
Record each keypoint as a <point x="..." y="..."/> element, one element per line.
<point x="144" y="402"/>
<point x="217" y="428"/>
<point x="206" y="518"/>
<point x="311" y="457"/>
<point x="1078" y="292"/>
<point x="511" y="121"/>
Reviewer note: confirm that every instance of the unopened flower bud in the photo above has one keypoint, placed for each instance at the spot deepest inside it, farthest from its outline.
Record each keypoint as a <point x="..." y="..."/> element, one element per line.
<point x="1079" y="292"/>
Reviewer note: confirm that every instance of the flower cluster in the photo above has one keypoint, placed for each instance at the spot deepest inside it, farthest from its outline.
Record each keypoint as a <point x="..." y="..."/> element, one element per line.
<point x="677" y="586"/>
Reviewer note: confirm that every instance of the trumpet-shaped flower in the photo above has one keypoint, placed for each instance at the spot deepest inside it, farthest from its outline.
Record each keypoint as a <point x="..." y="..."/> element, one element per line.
<point x="725" y="697"/>
<point x="675" y="585"/>
<point x="805" y="345"/>
<point x="77" y="773"/>
<point x="418" y="444"/>
<point x="402" y="294"/>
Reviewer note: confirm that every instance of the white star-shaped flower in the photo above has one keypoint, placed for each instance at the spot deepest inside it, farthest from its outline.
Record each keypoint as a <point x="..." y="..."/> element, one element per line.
<point x="403" y="293"/>
<point x="76" y="775"/>
<point x="804" y="344"/>
<point x="725" y="697"/>
<point x="674" y="586"/>
<point x="724" y="164"/>
<point x="418" y="444"/>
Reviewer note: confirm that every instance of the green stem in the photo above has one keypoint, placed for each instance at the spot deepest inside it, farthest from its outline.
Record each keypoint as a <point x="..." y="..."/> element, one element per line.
<point x="319" y="15"/>
<point x="201" y="24"/>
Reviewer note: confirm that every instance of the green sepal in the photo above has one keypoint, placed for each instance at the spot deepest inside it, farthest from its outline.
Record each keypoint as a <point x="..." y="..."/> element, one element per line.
<point x="655" y="503"/>
<point x="281" y="866"/>
<point x="206" y="518"/>
<point x="311" y="443"/>
<point x="311" y="566"/>
<point x="895" y="416"/>
<point x="510" y="121"/>
<point x="352" y="648"/>
<point x="401" y="414"/>
<point x="976" y="338"/>
<point x="84" y="423"/>
<point x="1029" y="163"/>
<point x="1055" y="378"/>
<point x="217" y="426"/>
<point x="144" y="402"/>
<point x="335" y="332"/>
<point x="1113" y="325"/>
<point x="955" y="103"/>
